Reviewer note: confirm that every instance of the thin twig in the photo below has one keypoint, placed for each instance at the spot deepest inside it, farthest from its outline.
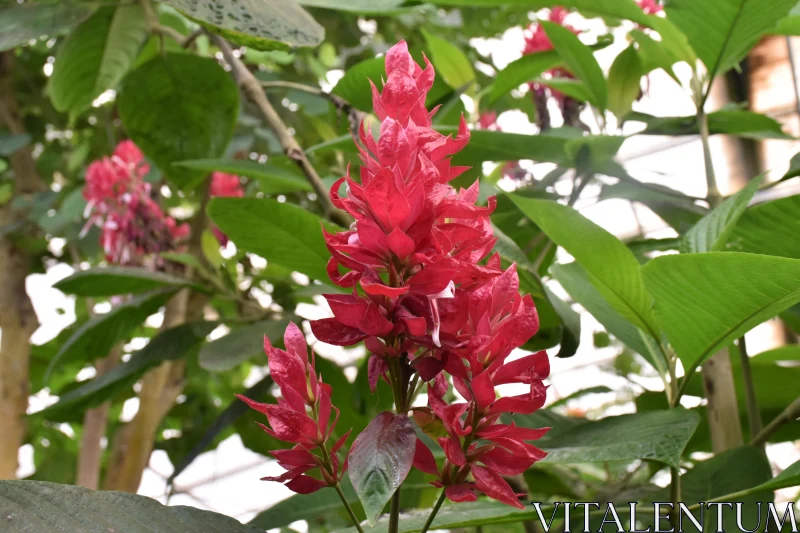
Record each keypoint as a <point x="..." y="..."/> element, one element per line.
<point x="355" y="117"/>
<point x="353" y="517"/>
<point x="753" y="414"/>
<point x="789" y="414"/>
<point x="254" y="92"/>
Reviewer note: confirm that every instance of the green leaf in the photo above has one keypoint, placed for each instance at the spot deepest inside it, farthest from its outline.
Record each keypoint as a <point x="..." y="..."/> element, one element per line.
<point x="96" y="56"/>
<point x="736" y="122"/>
<point x="380" y="459"/>
<point x="9" y="143"/>
<point x="277" y="24"/>
<point x="177" y="107"/>
<point x="624" y="82"/>
<point x="654" y="55"/>
<point x="575" y="281"/>
<point x="571" y="320"/>
<point x="711" y="234"/>
<point x="790" y="477"/>
<point x="575" y="89"/>
<point x="485" y="145"/>
<point x="113" y="280"/>
<point x="41" y="506"/>
<point x="524" y="69"/>
<point x="794" y="167"/>
<point x="382" y="7"/>
<point x="354" y="86"/>
<point x="591" y="151"/>
<point x="655" y="435"/>
<point x="721" y="32"/>
<point x="612" y="268"/>
<point x="675" y="208"/>
<point x="96" y="337"/>
<point x="272" y="179"/>
<point x="704" y="301"/>
<point x="21" y="23"/>
<point x="771" y="228"/>
<point x="580" y="61"/>
<point x="282" y="233"/>
<point x="175" y="343"/>
<point x="210" y="247"/>
<point x="450" y="62"/>
<point x="239" y="345"/>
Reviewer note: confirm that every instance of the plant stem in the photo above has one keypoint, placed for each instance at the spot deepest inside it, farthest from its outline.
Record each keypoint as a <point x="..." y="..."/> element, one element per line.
<point x="788" y="414"/>
<point x="435" y="510"/>
<point x="713" y="196"/>
<point x="675" y="496"/>
<point x="394" y="513"/>
<point x="353" y="517"/>
<point x="753" y="414"/>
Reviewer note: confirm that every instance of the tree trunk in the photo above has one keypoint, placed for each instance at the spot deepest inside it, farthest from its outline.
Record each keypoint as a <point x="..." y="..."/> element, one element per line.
<point x="724" y="421"/>
<point x="17" y="317"/>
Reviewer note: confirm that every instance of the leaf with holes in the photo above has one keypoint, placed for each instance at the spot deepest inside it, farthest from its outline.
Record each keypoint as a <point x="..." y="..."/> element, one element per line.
<point x="380" y="459"/>
<point x="177" y="107"/>
<point x="277" y="24"/>
<point x="96" y="56"/>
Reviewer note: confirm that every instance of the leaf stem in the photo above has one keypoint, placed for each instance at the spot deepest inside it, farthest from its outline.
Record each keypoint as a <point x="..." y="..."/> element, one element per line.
<point x="788" y="414"/>
<point x="435" y="510"/>
<point x="353" y="517"/>
<point x="675" y="496"/>
<point x="394" y="513"/>
<point x="753" y="414"/>
<point x="713" y="196"/>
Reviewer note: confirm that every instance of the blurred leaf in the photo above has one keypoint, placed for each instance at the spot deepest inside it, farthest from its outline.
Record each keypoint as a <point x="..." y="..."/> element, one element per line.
<point x="96" y="56"/>
<point x="40" y="506"/>
<point x="599" y="389"/>
<point x="95" y="338"/>
<point x="20" y="23"/>
<point x="112" y="280"/>
<point x="382" y="7"/>
<point x="790" y="477"/>
<point x="654" y="54"/>
<point x="240" y="345"/>
<point x="485" y="145"/>
<point x="656" y="435"/>
<point x="295" y="235"/>
<point x="210" y="247"/>
<point x="624" y="82"/>
<point x="712" y="232"/>
<point x="771" y="228"/>
<point x="178" y="107"/>
<point x="580" y="61"/>
<point x="589" y="152"/>
<point x="746" y="124"/>
<point x="272" y="179"/>
<point x="674" y="207"/>
<point x="277" y="24"/>
<point x="175" y="343"/>
<point x="704" y="301"/>
<point x="571" y="320"/>
<point x="354" y="86"/>
<point x="721" y="32"/>
<point x="450" y="62"/>
<point x="10" y="143"/>
<point x="524" y="69"/>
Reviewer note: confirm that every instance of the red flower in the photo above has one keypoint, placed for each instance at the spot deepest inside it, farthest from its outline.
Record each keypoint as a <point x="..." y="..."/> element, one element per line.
<point x="120" y="203"/>
<point x="224" y="185"/>
<point x="301" y="416"/>
<point x="650" y="7"/>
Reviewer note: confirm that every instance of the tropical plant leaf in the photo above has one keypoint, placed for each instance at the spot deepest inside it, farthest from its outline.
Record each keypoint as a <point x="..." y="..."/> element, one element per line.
<point x="240" y="345"/>
<point x="380" y="459"/>
<point x="175" y="343"/>
<point x="272" y="179"/>
<point x="450" y="62"/>
<point x="738" y="122"/>
<point x="580" y="61"/>
<point x="712" y="232"/>
<point x="277" y="24"/>
<point x="41" y="506"/>
<point x="113" y="280"/>
<point x="624" y="82"/>
<point x="295" y="241"/>
<point x="177" y="107"/>
<point x="704" y="301"/>
<point x="20" y="23"/>
<point x="771" y="228"/>
<point x="96" y="56"/>
<point x="675" y="208"/>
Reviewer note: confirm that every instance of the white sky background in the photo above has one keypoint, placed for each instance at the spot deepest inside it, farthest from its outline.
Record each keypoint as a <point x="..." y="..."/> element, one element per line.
<point x="227" y="480"/>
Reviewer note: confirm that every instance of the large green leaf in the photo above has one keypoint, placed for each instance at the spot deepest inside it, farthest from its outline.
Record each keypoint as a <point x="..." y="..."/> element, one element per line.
<point x="177" y="107"/>
<point x="712" y="232"/>
<point x="97" y="55"/>
<point x="612" y="268"/>
<point x="40" y="506"/>
<point x="524" y="69"/>
<point x="704" y="301"/>
<point x="277" y="24"/>
<point x="581" y="62"/>
<point x="675" y="208"/>
<point x="358" y="6"/>
<point x="790" y="477"/>
<point x="722" y="31"/>
<point x="112" y="280"/>
<point x="450" y="62"/>
<point x="622" y="9"/>
<point x="380" y="459"/>
<point x="354" y="86"/>
<point x="485" y="145"/>
<point x="272" y="179"/>
<point x="20" y="23"/>
<point x="239" y="345"/>
<point x="624" y="82"/>
<point x="575" y="280"/>
<point x="282" y="233"/>
<point x="771" y="228"/>
<point x="98" y="335"/>
<point x="655" y="435"/>
<point x="174" y="343"/>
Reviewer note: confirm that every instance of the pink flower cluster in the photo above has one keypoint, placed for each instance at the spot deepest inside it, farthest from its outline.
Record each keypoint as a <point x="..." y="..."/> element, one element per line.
<point x="120" y="203"/>
<point x="225" y="185"/>
<point x="428" y="298"/>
